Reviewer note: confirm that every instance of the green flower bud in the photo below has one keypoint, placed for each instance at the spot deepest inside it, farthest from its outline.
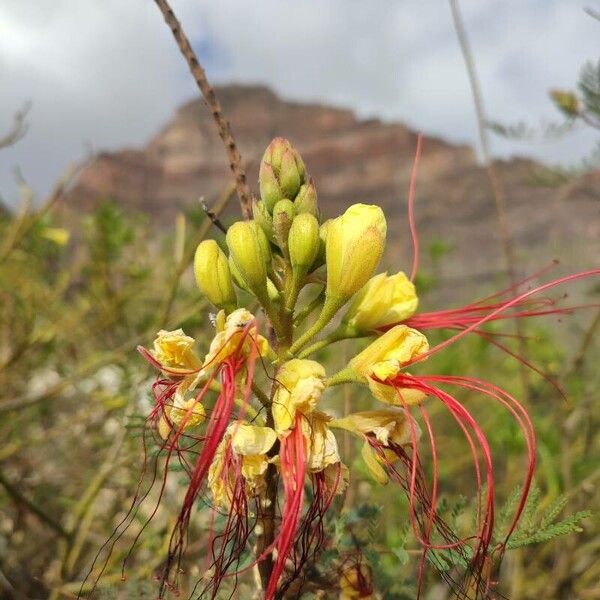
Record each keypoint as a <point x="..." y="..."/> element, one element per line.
<point x="247" y="250"/>
<point x="263" y="218"/>
<point x="213" y="275"/>
<point x="270" y="191"/>
<point x="303" y="246"/>
<point x="303" y="242"/>
<point x="236" y="275"/>
<point x="320" y="260"/>
<point x="290" y="175"/>
<point x="283" y="215"/>
<point x="566" y="101"/>
<point x="306" y="199"/>
<point x="281" y="173"/>
<point x="265" y="247"/>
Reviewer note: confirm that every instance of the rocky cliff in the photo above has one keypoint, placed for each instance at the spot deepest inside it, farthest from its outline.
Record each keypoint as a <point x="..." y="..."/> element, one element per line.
<point x="362" y="160"/>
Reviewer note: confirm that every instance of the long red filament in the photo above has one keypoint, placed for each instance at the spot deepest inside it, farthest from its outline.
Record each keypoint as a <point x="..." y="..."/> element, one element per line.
<point x="293" y="470"/>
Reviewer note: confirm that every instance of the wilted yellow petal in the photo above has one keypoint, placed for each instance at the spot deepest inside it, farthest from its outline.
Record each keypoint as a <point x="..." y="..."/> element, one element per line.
<point x="321" y="443"/>
<point x="373" y="464"/>
<point x="252" y="439"/>
<point x="300" y="387"/>
<point x="174" y="350"/>
<point x="395" y="396"/>
<point x="164" y="429"/>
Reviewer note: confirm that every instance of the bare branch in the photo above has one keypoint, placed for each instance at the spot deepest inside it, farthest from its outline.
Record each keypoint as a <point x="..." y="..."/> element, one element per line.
<point x="19" y="128"/>
<point x="498" y="190"/>
<point x="235" y="160"/>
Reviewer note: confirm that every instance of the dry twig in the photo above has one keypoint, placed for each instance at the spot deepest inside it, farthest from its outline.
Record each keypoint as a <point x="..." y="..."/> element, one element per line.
<point x="235" y="160"/>
<point x="19" y="128"/>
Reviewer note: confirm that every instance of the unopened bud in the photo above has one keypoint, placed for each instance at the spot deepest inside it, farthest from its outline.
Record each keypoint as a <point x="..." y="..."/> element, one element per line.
<point x="283" y="215"/>
<point x="263" y="218"/>
<point x="281" y="173"/>
<point x="306" y="199"/>
<point x="213" y="275"/>
<point x="303" y="241"/>
<point x="355" y="243"/>
<point x="247" y="250"/>
<point x="566" y="101"/>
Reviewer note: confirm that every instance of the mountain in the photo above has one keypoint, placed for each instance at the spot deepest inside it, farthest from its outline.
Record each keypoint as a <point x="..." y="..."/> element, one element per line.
<point x="354" y="160"/>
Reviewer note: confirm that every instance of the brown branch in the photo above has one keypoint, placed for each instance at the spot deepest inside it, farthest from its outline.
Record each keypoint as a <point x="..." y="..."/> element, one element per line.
<point x="498" y="190"/>
<point x="19" y="128"/>
<point x="235" y="160"/>
<point x="20" y="499"/>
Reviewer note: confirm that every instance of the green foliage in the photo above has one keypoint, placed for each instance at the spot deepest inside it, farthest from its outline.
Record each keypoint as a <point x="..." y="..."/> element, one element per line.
<point x="539" y="524"/>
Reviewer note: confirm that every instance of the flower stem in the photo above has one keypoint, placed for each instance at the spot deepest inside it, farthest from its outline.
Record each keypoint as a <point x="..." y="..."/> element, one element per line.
<point x="331" y="306"/>
<point x="346" y="375"/>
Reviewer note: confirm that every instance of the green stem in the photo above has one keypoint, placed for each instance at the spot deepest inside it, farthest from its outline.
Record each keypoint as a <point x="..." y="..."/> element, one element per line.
<point x="341" y="333"/>
<point x="294" y="289"/>
<point x="312" y="305"/>
<point x="346" y="375"/>
<point x="331" y="306"/>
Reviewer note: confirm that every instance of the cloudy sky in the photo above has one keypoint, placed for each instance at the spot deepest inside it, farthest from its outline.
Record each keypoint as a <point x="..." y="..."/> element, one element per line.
<point x="103" y="74"/>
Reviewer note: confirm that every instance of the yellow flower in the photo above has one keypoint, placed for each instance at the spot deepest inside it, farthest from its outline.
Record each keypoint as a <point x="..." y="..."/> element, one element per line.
<point x="174" y="350"/>
<point x="384" y="300"/>
<point x="355" y="243"/>
<point x="182" y="413"/>
<point x="384" y="358"/>
<point x="356" y="581"/>
<point x="300" y="387"/>
<point x="250" y="444"/>
<point x="387" y="426"/>
<point x="228" y="339"/>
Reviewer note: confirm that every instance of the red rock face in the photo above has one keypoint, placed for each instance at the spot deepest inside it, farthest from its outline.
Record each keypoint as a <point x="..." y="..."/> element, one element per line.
<point x="360" y="161"/>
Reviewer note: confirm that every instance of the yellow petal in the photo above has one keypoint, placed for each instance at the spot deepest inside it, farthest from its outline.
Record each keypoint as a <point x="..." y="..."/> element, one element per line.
<point x="395" y="396"/>
<point x="164" y="429"/>
<point x="174" y="350"/>
<point x="252" y="439"/>
<point x="373" y="464"/>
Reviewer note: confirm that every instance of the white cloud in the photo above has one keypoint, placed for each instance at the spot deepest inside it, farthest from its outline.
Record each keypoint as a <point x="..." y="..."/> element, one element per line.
<point x="107" y="73"/>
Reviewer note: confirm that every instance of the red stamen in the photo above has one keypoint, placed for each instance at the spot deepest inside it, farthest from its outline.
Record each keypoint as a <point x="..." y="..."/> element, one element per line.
<point x="293" y="470"/>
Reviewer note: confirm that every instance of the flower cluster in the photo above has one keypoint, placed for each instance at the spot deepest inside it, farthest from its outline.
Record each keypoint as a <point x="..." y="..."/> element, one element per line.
<point x="266" y="449"/>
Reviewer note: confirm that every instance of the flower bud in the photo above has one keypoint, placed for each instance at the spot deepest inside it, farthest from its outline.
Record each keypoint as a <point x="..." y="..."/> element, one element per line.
<point x="281" y="173"/>
<point x="247" y="251"/>
<point x="263" y="218"/>
<point x="303" y="242"/>
<point x="306" y="199"/>
<point x="355" y="243"/>
<point x="213" y="275"/>
<point x="272" y="291"/>
<point x="566" y="101"/>
<point x="384" y="300"/>
<point x="283" y="215"/>
<point x="320" y="260"/>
